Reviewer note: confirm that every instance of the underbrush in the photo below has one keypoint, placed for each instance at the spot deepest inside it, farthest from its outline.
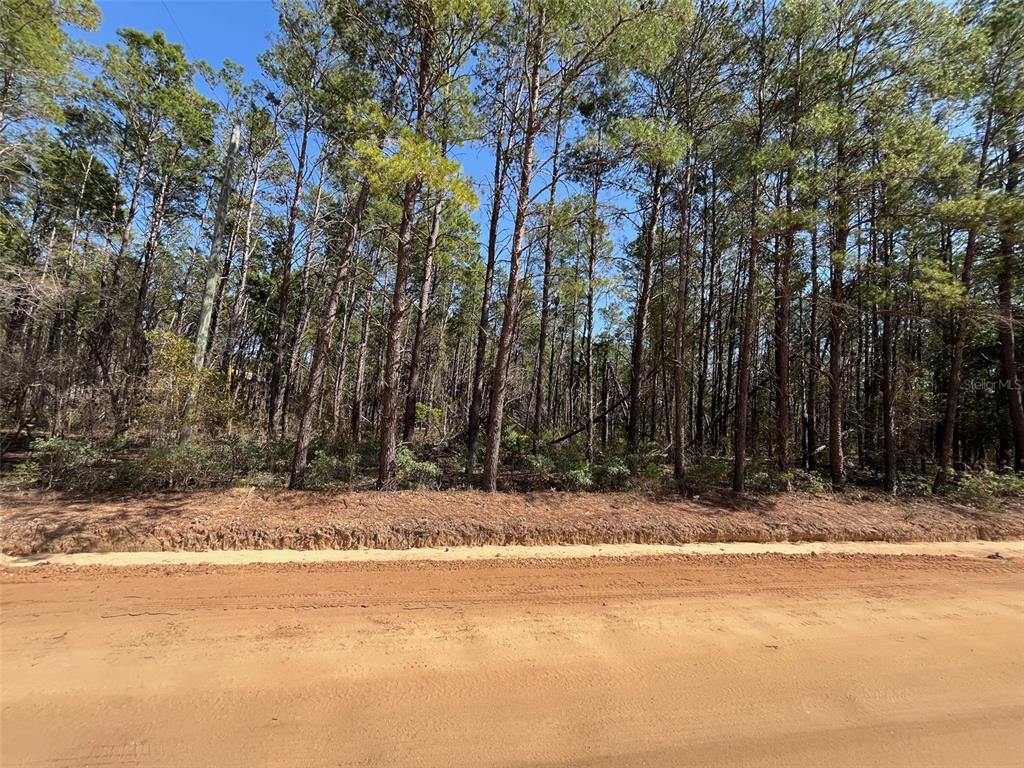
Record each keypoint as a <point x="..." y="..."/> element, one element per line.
<point x="75" y="465"/>
<point x="81" y="466"/>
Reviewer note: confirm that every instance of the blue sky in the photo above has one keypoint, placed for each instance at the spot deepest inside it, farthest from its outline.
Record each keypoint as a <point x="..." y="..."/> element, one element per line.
<point x="214" y="30"/>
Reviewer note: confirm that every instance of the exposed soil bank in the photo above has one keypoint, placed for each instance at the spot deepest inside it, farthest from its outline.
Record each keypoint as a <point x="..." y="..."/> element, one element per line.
<point x="36" y="522"/>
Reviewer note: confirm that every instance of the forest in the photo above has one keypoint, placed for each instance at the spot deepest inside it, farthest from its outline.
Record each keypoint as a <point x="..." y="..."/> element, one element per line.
<point x="751" y="245"/>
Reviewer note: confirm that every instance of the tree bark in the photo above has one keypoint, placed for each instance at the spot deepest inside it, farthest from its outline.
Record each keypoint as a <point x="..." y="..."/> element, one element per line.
<point x="422" y="314"/>
<point x="321" y="347"/>
<point x="504" y="349"/>
<point x="963" y="321"/>
<point x="782" y="415"/>
<point x="636" y="360"/>
<point x="1007" y="270"/>
<point x="275" y="392"/>
<point x="747" y="342"/>
<point x="679" y="350"/>
<point x="501" y="149"/>
<point x="538" y="385"/>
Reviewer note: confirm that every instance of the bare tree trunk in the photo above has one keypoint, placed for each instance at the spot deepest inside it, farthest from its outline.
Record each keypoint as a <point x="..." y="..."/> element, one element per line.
<point x="275" y="392"/>
<point x="589" y="351"/>
<point x="392" y="353"/>
<point x="298" y="330"/>
<point x="538" y="386"/>
<point x="359" y="387"/>
<point x="1011" y="382"/>
<point x="501" y="150"/>
<point x="813" y="363"/>
<point x="212" y="277"/>
<point x="504" y="349"/>
<point x="784" y="264"/>
<point x="238" y="307"/>
<point x="636" y="374"/>
<point x="747" y="343"/>
<point x="888" y="383"/>
<point x="321" y="347"/>
<point x="679" y="350"/>
<point x="422" y="315"/>
<point x="837" y="326"/>
<point x="963" y="320"/>
<point x="340" y="377"/>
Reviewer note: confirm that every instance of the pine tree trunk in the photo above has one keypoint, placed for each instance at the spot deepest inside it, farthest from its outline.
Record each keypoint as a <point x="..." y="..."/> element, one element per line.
<point x="784" y="265"/>
<point x="392" y="339"/>
<point x="636" y="374"/>
<point x="503" y="352"/>
<point x="275" y="391"/>
<point x="679" y="361"/>
<point x="415" y="369"/>
<point x="501" y="149"/>
<point x="1011" y="381"/>
<point x="538" y="385"/>
<point x="963" y="320"/>
<point x="321" y="347"/>
<point x="747" y="343"/>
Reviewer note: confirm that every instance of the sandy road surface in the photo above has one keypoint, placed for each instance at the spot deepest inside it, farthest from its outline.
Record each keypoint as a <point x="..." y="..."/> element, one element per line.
<point x="659" y="661"/>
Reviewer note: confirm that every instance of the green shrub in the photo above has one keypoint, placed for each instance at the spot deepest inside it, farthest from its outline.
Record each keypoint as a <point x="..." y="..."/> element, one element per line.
<point x="326" y="470"/>
<point x="208" y="464"/>
<point x="515" y="447"/>
<point x="170" y="383"/>
<point x="580" y="478"/>
<point x="428" y="417"/>
<point x="179" y="467"/>
<point x="412" y="473"/>
<point x="915" y="485"/>
<point x="818" y="483"/>
<point x="24" y="475"/>
<point x="984" y="489"/>
<point x="761" y="480"/>
<point x="66" y="464"/>
<point x="652" y="471"/>
<point x="612" y="474"/>
<point x="711" y="473"/>
<point x="541" y="466"/>
<point x="568" y="454"/>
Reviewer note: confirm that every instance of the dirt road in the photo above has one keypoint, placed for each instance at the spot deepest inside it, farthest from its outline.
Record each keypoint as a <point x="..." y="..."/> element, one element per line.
<point x="659" y="661"/>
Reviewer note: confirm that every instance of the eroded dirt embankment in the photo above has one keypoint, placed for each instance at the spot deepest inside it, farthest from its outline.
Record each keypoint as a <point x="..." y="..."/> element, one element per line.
<point x="35" y="522"/>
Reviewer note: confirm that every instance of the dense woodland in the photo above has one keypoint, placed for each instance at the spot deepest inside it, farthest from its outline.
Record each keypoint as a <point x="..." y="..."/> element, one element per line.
<point x="748" y="241"/>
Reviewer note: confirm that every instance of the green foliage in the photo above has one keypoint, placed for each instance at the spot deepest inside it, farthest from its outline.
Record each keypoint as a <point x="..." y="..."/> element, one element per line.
<point x="76" y="465"/>
<point x="63" y="463"/>
<point x="875" y="139"/>
<point x="937" y="286"/>
<point x="613" y="474"/>
<point x="655" y="142"/>
<point x="985" y="489"/>
<point x="34" y="55"/>
<point x="428" y="415"/>
<point x="541" y="467"/>
<point x="170" y="382"/>
<point x="412" y="158"/>
<point x="327" y="471"/>
<point x="579" y="478"/>
<point x="412" y="473"/>
<point x="515" y="446"/>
